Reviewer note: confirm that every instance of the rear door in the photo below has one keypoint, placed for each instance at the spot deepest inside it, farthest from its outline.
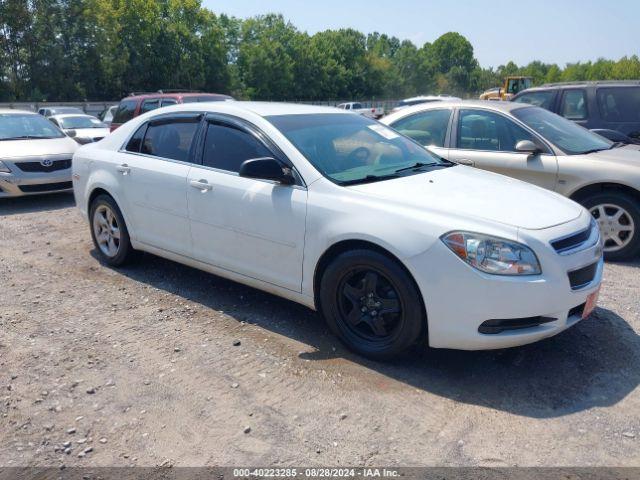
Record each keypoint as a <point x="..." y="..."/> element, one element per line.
<point x="429" y="128"/>
<point x="248" y="226"/>
<point x="153" y="168"/>
<point x="486" y="139"/>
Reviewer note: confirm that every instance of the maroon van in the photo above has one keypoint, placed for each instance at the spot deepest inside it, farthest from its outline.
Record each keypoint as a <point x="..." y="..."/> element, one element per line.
<point x="137" y="104"/>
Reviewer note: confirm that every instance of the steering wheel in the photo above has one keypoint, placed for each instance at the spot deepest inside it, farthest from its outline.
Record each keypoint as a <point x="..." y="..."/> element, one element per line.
<point x="360" y="155"/>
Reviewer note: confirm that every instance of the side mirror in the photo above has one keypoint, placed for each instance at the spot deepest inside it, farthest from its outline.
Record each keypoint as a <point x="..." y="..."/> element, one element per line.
<point x="71" y="133"/>
<point x="527" y="146"/>
<point x="266" y="168"/>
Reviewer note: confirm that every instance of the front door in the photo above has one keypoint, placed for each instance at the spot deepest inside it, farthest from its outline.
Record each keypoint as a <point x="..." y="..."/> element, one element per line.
<point x="487" y="140"/>
<point x="248" y="226"/>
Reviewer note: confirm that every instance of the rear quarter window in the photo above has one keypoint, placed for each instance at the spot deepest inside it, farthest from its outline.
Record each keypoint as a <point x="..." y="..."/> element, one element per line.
<point x="125" y="111"/>
<point x="619" y="104"/>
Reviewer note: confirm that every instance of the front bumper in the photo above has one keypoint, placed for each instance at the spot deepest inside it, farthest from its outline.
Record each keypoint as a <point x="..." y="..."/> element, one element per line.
<point x="18" y="182"/>
<point x="459" y="299"/>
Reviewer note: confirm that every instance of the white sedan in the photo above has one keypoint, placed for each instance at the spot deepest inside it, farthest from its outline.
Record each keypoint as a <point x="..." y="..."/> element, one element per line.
<point x="82" y="128"/>
<point x="340" y="213"/>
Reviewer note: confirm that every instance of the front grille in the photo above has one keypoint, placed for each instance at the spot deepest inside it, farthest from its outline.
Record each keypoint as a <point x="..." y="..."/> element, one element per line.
<point x="491" y="327"/>
<point x="46" y="187"/>
<point x="38" y="167"/>
<point x="573" y="241"/>
<point x="582" y="277"/>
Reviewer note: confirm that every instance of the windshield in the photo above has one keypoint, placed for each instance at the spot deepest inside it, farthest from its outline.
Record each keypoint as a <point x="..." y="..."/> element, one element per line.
<point x="16" y="126"/>
<point x="568" y="136"/>
<point x="352" y="148"/>
<point x="81" y="122"/>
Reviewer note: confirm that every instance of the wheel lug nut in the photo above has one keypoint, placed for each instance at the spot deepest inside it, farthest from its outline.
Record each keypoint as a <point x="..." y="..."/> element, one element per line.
<point x="363" y="309"/>
<point x="374" y="313"/>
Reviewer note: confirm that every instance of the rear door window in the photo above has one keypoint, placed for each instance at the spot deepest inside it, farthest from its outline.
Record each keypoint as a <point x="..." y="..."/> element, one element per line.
<point x="574" y="104"/>
<point x="170" y="138"/>
<point x="619" y="104"/>
<point x="125" y="111"/>
<point x="427" y="128"/>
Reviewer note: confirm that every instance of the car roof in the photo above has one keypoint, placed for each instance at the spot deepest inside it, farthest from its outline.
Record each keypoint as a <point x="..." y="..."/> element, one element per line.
<point x="607" y="83"/>
<point x="428" y="97"/>
<point x="500" y="106"/>
<point x="263" y="109"/>
<point x="142" y="96"/>
<point x="11" y="110"/>
<point x="72" y="115"/>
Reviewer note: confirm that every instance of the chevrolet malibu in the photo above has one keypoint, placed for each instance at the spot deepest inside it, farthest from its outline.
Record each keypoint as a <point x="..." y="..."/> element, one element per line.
<point x="35" y="156"/>
<point x="338" y="212"/>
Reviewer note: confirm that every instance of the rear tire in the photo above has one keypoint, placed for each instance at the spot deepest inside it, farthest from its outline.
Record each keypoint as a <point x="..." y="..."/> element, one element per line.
<point x="109" y="232"/>
<point x="618" y="216"/>
<point x="372" y="304"/>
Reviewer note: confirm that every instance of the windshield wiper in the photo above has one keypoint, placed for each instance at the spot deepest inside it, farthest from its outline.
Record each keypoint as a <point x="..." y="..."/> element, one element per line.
<point x="617" y="145"/>
<point x="593" y="150"/>
<point x="417" y="166"/>
<point x="27" y="137"/>
<point x="368" y="179"/>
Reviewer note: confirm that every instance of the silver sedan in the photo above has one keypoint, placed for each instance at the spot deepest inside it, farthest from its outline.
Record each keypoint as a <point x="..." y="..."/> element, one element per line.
<point x="35" y="156"/>
<point x="539" y="147"/>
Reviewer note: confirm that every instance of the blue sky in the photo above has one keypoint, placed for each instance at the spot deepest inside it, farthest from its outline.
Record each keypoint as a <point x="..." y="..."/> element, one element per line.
<point x="557" y="31"/>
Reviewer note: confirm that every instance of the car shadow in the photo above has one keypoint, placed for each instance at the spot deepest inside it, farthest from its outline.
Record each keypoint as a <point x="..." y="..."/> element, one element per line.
<point x="594" y="364"/>
<point x="36" y="203"/>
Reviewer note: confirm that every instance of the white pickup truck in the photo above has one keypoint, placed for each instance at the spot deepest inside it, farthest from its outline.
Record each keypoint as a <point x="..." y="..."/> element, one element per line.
<point x="355" y="107"/>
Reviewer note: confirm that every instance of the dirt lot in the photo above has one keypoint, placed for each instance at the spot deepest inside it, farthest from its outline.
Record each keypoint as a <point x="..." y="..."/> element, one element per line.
<point x="141" y="367"/>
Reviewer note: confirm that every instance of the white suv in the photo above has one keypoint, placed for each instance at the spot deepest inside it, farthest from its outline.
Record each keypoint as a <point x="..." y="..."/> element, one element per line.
<point x="342" y="214"/>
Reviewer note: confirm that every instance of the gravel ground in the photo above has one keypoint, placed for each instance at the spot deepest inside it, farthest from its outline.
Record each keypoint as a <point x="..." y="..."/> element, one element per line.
<point x="161" y="364"/>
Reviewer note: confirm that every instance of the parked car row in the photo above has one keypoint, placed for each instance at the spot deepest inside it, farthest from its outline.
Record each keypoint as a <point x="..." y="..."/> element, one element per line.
<point x="37" y="148"/>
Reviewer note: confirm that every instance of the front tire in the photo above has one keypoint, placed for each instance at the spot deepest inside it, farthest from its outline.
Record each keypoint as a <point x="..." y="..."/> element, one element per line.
<point x="618" y="216"/>
<point x="109" y="232"/>
<point x="372" y="304"/>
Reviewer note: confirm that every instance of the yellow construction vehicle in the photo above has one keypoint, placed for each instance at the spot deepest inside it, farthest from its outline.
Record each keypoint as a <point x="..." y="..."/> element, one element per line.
<point x="512" y="85"/>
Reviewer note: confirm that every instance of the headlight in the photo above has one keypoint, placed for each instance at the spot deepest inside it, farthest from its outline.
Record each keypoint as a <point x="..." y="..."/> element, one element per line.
<point x="493" y="255"/>
<point x="4" y="168"/>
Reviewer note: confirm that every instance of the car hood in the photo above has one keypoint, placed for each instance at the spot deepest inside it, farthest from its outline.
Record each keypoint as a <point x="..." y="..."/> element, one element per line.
<point x="627" y="155"/>
<point x="35" y="147"/>
<point x="89" y="132"/>
<point x="473" y="193"/>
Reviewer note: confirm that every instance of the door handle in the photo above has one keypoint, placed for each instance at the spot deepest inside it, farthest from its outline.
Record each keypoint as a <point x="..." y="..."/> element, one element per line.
<point x="466" y="161"/>
<point x="201" y="185"/>
<point x="124" y="169"/>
